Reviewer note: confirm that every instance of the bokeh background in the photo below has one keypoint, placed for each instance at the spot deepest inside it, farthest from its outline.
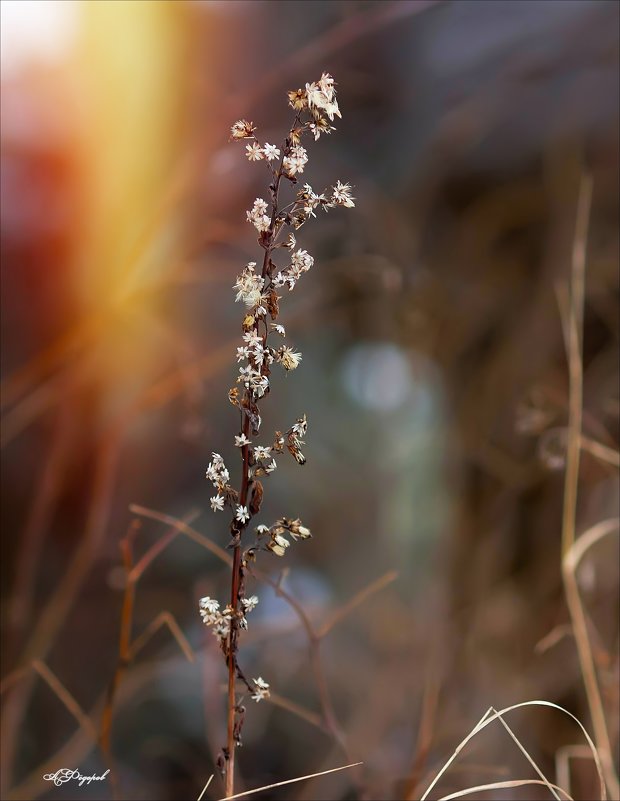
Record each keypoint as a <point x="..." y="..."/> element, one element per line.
<point x="434" y="379"/>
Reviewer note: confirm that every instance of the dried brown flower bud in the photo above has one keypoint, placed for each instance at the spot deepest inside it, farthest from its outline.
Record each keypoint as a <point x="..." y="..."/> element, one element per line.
<point x="295" y="135"/>
<point x="248" y="322"/>
<point x="297" y="99"/>
<point x="272" y="304"/>
<point x="242" y="129"/>
<point x="257" y="498"/>
<point x="296" y="453"/>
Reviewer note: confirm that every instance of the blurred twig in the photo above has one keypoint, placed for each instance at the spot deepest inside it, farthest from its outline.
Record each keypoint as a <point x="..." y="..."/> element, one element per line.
<point x="357" y="600"/>
<point x="573" y="327"/>
<point x="33" y="535"/>
<point x="128" y="650"/>
<point x="425" y="730"/>
<point x="56" y="608"/>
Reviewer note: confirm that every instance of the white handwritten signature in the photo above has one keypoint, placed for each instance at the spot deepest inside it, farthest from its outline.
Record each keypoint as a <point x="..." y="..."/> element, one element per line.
<point x="66" y="774"/>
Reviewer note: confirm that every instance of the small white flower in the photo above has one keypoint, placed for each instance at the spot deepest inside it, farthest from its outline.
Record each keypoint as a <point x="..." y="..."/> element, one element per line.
<point x="209" y="611"/>
<point x="216" y="471"/>
<point x="252" y="339"/>
<point x="249" y="286"/>
<point x="300" y="427"/>
<point x="322" y="96"/>
<point x="254" y="152"/>
<point x="271" y="152"/>
<point x="279" y="280"/>
<point x="296" y="160"/>
<point x="258" y="216"/>
<point x="209" y="605"/>
<point x="241" y="441"/>
<point x="260" y="207"/>
<point x="221" y="628"/>
<point x="262" y="530"/>
<point x="271" y="466"/>
<point x="261" y="690"/>
<point x="259" y="384"/>
<point x="341" y="195"/>
<point x="302" y="260"/>
<point x="310" y="200"/>
<point x="258" y="353"/>
<point x="242" y="353"/>
<point x="242" y="514"/>
<point x="261" y="452"/>
<point x="250" y="603"/>
<point x="217" y="503"/>
<point x="279" y="329"/>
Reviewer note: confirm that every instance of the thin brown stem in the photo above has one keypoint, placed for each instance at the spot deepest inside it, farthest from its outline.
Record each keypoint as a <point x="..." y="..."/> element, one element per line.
<point x="237" y="566"/>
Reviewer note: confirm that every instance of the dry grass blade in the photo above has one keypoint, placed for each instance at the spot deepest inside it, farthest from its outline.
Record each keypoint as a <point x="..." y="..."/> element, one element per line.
<point x="206" y="787"/>
<point x="482" y="788"/>
<point x="457" y="751"/>
<point x="562" y="761"/>
<point x="601" y="452"/>
<point x="589" y="538"/>
<point x="488" y="718"/>
<point x="579" y="622"/>
<point x="572" y="324"/>
<point x="529" y="758"/>
<point x="573" y="329"/>
<point x="290" y="781"/>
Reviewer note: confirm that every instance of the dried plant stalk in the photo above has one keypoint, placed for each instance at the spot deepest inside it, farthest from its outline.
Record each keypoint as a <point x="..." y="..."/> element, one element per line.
<point x="315" y="107"/>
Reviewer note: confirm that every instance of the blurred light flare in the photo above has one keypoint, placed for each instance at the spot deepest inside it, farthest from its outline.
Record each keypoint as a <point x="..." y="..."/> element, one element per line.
<point x="112" y="74"/>
<point x="35" y="31"/>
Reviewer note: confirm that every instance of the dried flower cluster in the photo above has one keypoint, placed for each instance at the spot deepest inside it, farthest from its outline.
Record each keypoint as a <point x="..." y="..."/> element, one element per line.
<point x="257" y="288"/>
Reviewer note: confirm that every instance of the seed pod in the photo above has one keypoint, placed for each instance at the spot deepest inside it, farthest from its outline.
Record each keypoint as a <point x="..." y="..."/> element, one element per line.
<point x="233" y="396"/>
<point x="257" y="498"/>
<point x="272" y="304"/>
